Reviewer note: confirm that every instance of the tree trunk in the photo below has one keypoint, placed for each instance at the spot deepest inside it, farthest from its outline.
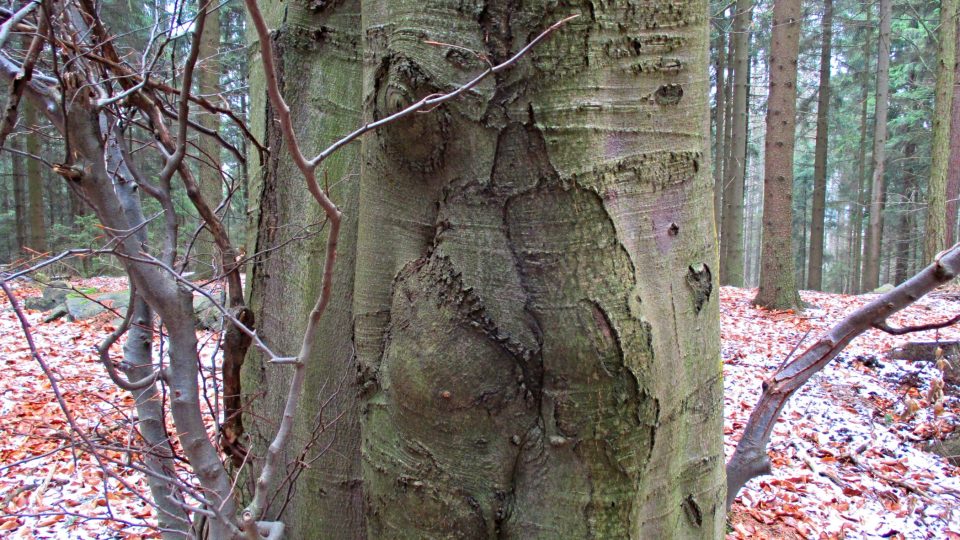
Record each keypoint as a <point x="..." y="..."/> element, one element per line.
<point x="815" y="261"/>
<point x="870" y="278"/>
<point x="37" y="230"/>
<point x="720" y="114"/>
<point x="862" y="198"/>
<point x="935" y="236"/>
<point x="535" y="316"/>
<point x="19" y="197"/>
<point x="731" y="240"/>
<point x="953" y="167"/>
<point x="904" y="251"/>
<point x="778" y="286"/>
<point x="206" y="254"/>
<point x="320" y="50"/>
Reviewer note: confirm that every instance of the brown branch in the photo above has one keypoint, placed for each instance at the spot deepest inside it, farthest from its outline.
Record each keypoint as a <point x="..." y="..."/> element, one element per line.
<point x="750" y="458"/>
<point x="882" y="325"/>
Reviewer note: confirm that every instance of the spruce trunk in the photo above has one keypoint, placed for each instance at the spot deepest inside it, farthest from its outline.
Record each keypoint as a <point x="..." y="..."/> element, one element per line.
<point x="778" y="286"/>
<point x="815" y="261"/>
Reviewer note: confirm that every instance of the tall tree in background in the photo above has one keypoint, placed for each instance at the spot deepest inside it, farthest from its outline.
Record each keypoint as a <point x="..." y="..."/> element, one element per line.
<point x="211" y="185"/>
<point x="534" y="299"/>
<point x="936" y="224"/>
<point x="856" y="261"/>
<point x="870" y="276"/>
<point x="731" y="229"/>
<point x="19" y="195"/>
<point x="778" y="286"/>
<point x="815" y="261"/>
<point x="37" y="229"/>
<point x="720" y="119"/>
<point x="953" y="165"/>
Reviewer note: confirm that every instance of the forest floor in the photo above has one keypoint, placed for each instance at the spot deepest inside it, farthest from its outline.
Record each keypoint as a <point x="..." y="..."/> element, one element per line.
<point x="847" y="454"/>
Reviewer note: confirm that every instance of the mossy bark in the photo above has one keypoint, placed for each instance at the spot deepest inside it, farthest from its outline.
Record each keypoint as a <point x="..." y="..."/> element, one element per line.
<point x="535" y="300"/>
<point x="319" y="51"/>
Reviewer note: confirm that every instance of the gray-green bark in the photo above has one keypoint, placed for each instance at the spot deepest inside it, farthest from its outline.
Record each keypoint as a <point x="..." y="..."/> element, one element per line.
<point x="935" y="236"/>
<point x="778" y="286"/>
<point x="815" y="261"/>
<point x="319" y="55"/>
<point x="535" y="300"/>
<point x="870" y="277"/>
<point x="731" y="235"/>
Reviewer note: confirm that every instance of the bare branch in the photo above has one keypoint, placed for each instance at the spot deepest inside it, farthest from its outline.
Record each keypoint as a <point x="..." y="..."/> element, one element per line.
<point x="750" y="459"/>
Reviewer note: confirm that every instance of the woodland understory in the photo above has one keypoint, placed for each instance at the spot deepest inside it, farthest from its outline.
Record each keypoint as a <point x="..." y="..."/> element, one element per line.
<point x="849" y="461"/>
<point x="398" y="269"/>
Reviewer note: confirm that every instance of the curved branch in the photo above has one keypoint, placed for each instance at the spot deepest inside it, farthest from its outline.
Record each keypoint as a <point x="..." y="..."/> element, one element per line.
<point x="750" y="459"/>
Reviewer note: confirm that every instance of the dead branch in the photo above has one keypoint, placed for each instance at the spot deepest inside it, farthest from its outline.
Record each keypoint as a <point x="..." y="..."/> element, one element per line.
<point x="750" y="458"/>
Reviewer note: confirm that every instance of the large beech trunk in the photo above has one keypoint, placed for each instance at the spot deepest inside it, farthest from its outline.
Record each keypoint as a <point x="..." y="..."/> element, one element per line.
<point x="534" y="301"/>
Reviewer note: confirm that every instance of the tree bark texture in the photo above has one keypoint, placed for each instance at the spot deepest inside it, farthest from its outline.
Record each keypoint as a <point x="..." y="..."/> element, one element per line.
<point x="870" y="277"/>
<point x="815" y="261"/>
<point x="731" y="240"/>
<point x="535" y="301"/>
<point x="318" y="48"/>
<point x="935" y="236"/>
<point x="778" y="280"/>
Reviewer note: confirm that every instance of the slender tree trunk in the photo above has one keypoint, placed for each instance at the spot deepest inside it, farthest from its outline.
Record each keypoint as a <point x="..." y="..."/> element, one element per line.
<point x="815" y="261"/>
<point x="871" y="256"/>
<point x="728" y="124"/>
<point x="37" y="230"/>
<point x="953" y="167"/>
<point x="731" y="240"/>
<point x="535" y="307"/>
<point x="19" y="196"/>
<point x="862" y="186"/>
<point x="720" y="113"/>
<point x="778" y="287"/>
<point x="904" y="251"/>
<point x="211" y="184"/>
<point x="319" y="54"/>
<point x="935" y="236"/>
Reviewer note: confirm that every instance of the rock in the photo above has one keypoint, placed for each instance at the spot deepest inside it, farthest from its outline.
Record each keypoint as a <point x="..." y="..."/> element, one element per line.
<point x="79" y="308"/>
<point x="885" y="288"/>
<point x="948" y="448"/>
<point x="54" y="293"/>
<point x="207" y="315"/>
